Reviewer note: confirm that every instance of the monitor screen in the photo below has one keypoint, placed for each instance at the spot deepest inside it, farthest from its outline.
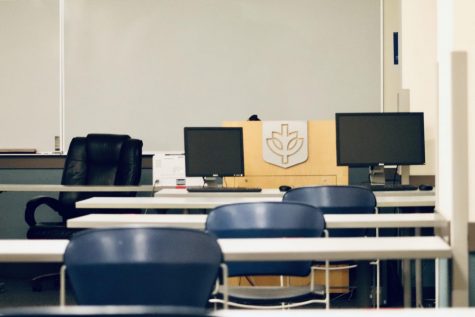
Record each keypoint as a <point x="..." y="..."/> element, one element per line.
<point x="214" y="152"/>
<point x="390" y="138"/>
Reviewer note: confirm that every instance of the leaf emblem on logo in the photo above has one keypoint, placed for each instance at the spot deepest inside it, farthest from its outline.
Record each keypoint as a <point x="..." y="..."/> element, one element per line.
<point x="284" y="143"/>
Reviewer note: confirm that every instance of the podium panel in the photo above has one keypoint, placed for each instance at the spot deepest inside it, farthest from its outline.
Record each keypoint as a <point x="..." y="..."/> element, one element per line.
<point x="319" y="169"/>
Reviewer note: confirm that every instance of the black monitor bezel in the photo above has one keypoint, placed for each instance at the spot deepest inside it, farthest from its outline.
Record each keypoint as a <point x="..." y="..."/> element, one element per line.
<point x="185" y="134"/>
<point x="381" y="114"/>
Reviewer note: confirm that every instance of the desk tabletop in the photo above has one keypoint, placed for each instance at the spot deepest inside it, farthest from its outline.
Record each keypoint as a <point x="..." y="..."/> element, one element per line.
<point x="364" y="248"/>
<point x="167" y="202"/>
<point x="272" y="192"/>
<point x="409" y="220"/>
<point x="35" y="251"/>
<point x="393" y="312"/>
<point x="277" y="249"/>
<point x="70" y="188"/>
<point x="209" y="202"/>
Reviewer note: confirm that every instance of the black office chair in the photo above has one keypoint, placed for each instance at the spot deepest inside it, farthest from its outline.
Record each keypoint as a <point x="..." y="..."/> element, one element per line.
<point x="269" y="220"/>
<point x="97" y="159"/>
<point x="337" y="200"/>
<point x="142" y="266"/>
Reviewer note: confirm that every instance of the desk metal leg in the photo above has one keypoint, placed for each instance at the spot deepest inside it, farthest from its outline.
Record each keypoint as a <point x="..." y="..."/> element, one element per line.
<point x="437" y="283"/>
<point x="406" y="275"/>
<point x="418" y="274"/>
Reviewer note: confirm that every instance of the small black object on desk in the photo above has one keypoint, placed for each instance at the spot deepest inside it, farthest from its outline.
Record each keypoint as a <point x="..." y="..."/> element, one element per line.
<point x="425" y="187"/>
<point x="284" y="188"/>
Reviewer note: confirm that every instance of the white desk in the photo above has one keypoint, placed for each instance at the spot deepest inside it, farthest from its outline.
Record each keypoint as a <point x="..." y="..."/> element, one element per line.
<point x="75" y="188"/>
<point x="393" y="312"/>
<point x="34" y="251"/>
<point x="410" y="220"/>
<point x="166" y="202"/>
<point x="212" y="201"/>
<point x="143" y="220"/>
<point x="384" y="248"/>
<point x="267" y="249"/>
<point x="279" y="249"/>
<point x="273" y="192"/>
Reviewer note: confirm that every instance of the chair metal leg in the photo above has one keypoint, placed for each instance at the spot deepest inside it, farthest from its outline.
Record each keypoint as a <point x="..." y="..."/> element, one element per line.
<point x="327" y="284"/>
<point x="224" y="268"/>
<point x="62" y="286"/>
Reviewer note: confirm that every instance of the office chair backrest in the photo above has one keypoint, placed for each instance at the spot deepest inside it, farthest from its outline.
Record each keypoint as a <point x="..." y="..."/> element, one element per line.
<point x="143" y="266"/>
<point x="336" y="200"/>
<point x="266" y="220"/>
<point x="100" y="159"/>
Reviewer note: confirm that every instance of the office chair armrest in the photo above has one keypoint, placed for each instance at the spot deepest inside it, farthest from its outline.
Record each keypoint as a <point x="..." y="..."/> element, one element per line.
<point x="34" y="203"/>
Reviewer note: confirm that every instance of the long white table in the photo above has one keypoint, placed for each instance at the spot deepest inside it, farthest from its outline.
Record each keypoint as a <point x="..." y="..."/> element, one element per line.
<point x="35" y="251"/>
<point x="209" y="202"/>
<point x="384" y="248"/>
<point x="267" y="249"/>
<point x="271" y="192"/>
<point x="393" y="312"/>
<point x="410" y="220"/>
<point x="278" y="249"/>
<point x="71" y="188"/>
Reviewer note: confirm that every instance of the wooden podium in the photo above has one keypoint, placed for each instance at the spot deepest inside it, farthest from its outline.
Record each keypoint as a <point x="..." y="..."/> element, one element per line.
<point x="319" y="169"/>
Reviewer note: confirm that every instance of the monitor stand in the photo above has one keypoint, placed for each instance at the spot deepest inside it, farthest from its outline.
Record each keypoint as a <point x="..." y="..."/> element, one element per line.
<point x="376" y="175"/>
<point x="213" y="181"/>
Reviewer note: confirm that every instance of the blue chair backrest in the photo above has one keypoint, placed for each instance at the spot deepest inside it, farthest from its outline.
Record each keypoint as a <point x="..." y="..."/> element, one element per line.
<point x="104" y="311"/>
<point x="266" y="220"/>
<point x="143" y="266"/>
<point x="336" y="200"/>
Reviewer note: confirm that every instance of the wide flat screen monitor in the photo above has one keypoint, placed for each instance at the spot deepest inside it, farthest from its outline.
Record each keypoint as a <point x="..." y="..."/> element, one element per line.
<point x="211" y="152"/>
<point x="370" y="139"/>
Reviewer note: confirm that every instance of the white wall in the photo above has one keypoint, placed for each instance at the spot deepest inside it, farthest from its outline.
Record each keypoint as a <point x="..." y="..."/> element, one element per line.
<point x="464" y="40"/>
<point x="419" y="70"/>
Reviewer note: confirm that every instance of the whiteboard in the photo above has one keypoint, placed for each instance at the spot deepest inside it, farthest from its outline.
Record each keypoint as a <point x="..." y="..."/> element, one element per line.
<point x="151" y="67"/>
<point x="29" y="74"/>
<point x="148" y="68"/>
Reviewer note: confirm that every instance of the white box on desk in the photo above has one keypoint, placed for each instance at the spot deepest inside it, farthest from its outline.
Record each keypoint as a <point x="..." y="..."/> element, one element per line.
<point x="169" y="170"/>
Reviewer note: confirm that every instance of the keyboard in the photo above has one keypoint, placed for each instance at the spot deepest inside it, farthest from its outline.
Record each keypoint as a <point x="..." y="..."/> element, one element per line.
<point x="392" y="187"/>
<point x="206" y="189"/>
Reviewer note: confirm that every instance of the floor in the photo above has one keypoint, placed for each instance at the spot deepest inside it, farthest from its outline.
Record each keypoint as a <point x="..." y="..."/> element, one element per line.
<point x="17" y="292"/>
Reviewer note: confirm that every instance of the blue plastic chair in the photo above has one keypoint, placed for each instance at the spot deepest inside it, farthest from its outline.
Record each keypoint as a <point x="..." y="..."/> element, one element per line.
<point x="142" y="266"/>
<point x="104" y="311"/>
<point x="269" y="220"/>
<point x="338" y="200"/>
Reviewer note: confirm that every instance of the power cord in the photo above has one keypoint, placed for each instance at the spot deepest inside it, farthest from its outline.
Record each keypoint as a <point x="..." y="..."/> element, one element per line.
<point x="395" y="175"/>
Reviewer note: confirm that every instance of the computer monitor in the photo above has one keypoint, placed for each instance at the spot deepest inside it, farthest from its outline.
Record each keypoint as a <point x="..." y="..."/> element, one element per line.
<point x="375" y="139"/>
<point x="213" y="152"/>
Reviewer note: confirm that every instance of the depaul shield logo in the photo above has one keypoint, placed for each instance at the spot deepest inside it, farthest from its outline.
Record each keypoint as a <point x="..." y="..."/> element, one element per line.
<point x="284" y="142"/>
